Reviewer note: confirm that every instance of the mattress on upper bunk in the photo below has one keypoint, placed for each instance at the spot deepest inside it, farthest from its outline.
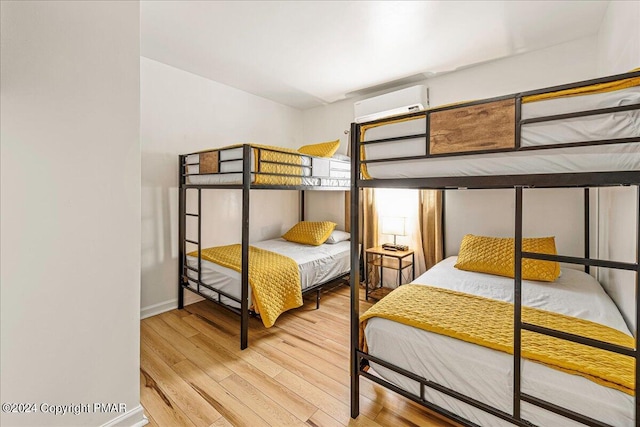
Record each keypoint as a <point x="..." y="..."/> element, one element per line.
<point x="317" y="264"/>
<point x="491" y="126"/>
<point x="486" y="374"/>
<point x="289" y="167"/>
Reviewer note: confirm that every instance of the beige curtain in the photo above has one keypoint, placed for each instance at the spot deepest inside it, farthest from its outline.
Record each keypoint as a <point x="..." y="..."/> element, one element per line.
<point x="431" y="226"/>
<point x="369" y="218"/>
<point x="347" y="211"/>
<point x="369" y="231"/>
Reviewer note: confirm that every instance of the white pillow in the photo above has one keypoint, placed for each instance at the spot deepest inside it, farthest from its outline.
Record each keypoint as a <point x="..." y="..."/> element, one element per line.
<point x="338" y="236"/>
<point x="341" y="157"/>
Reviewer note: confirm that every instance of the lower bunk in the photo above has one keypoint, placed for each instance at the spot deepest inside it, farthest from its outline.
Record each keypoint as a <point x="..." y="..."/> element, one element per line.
<point x="402" y="356"/>
<point x="316" y="266"/>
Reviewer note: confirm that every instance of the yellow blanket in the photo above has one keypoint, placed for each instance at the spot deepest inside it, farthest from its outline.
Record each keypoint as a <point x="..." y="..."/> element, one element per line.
<point x="489" y="323"/>
<point x="586" y="90"/>
<point x="274" y="278"/>
<point x="264" y="155"/>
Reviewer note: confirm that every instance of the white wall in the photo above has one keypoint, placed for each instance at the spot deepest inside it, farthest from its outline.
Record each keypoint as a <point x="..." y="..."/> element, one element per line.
<point x="182" y="113"/>
<point x="619" y="52"/>
<point x="70" y="216"/>
<point x="560" y="64"/>
<point x="564" y="63"/>
<point x="619" y="38"/>
<point x="546" y="212"/>
<point x="617" y="242"/>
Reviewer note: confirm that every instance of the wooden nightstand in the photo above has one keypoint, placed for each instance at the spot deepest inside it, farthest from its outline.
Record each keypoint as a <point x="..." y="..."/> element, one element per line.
<point x="377" y="259"/>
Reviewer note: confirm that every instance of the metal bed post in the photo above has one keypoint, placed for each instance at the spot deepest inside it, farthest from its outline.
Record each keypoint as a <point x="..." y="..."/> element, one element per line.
<point x="517" y="305"/>
<point x="355" y="270"/>
<point x="587" y="225"/>
<point x="637" y="340"/>
<point x="517" y="275"/>
<point x="182" y="193"/>
<point x="518" y="120"/>
<point x="244" y="303"/>
<point x="443" y="216"/>
<point x="199" y="238"/>
<point x="301" y="194"/>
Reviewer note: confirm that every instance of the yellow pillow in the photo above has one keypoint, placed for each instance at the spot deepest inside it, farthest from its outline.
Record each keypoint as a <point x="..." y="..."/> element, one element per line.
<point x="310" y="233"/>
<point x="495" y="255"/>
<point x="324" y="149"/>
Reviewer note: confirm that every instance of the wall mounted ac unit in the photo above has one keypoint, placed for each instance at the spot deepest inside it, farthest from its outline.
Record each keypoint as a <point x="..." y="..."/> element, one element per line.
<point x="408" y="100"/>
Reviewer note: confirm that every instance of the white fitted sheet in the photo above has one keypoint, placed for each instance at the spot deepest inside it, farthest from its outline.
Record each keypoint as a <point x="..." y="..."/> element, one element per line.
<point x="575" y="159"/>
<point x="486" y="374"/>
<point x="317" y="264"/>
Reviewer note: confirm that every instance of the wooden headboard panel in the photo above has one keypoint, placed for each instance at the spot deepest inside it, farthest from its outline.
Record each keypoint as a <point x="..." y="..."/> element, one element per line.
<point x="487" y="126"/>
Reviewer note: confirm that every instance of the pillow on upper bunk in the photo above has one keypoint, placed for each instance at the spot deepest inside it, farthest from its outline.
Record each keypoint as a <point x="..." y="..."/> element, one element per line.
<point x="338" y="236"/>
<point x="309" y="232"/>
<point x="324" y="149"/>
<point x="495" y="255"/>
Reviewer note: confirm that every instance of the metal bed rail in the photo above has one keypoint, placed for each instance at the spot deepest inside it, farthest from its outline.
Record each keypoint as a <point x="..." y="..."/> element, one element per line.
<point x="305" y="164"/>
<point x="518" y="120"/>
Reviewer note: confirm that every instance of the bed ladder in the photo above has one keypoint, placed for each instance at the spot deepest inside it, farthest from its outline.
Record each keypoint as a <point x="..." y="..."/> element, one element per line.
<point x="184" y="266"/>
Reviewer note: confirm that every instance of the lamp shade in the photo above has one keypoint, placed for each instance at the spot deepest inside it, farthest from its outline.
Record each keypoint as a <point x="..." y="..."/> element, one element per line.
<point x="395" y="225"/>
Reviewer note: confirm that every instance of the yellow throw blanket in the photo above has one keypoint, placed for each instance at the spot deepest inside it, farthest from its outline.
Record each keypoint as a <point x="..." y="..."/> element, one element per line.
<point x="489" y="323"/>
<point x="274" y="278"/>
<point x="264" y="154"/>
<point x="586" y="90"/>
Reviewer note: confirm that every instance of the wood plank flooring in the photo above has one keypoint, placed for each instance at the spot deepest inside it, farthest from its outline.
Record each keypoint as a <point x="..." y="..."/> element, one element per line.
<point x="192" y="372"/>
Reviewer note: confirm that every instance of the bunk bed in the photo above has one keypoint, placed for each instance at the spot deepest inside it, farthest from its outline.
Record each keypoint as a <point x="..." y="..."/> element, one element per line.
<point x="248" y="167"/>
<point x="585" y="135"/>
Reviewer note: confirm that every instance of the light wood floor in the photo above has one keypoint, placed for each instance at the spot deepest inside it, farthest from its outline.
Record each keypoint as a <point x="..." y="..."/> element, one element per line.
<point x="296" y="373"/>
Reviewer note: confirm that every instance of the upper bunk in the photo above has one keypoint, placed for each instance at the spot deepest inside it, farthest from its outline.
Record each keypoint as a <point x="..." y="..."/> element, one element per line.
<point x="264" y="167"/>
<point x="580" y="134"/>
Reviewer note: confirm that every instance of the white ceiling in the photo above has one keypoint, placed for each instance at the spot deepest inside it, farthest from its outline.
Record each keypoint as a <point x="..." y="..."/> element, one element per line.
<point x="310" y="53"/>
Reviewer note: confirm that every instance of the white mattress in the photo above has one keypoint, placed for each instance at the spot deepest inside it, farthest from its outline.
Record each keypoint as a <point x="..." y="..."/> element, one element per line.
<point x="317" y="264"/>
<point x="328" y="172"/>
<point x="486" y="374"/>
<point x="236" y="178"/>
<point x="575" y="159"/>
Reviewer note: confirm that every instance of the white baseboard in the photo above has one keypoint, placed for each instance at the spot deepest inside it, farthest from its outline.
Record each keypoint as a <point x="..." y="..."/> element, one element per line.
<point x="132" y="418"/>
<point x="152" y="310"/>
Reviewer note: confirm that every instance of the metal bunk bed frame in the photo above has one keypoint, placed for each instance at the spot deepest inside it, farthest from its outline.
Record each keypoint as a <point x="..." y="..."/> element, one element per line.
<point x="246" y="187"/>
<point x="359" y="359"/>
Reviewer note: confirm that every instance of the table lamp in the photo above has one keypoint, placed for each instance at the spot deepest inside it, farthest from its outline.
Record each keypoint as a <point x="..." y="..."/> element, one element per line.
<point x="395" y="225"/>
